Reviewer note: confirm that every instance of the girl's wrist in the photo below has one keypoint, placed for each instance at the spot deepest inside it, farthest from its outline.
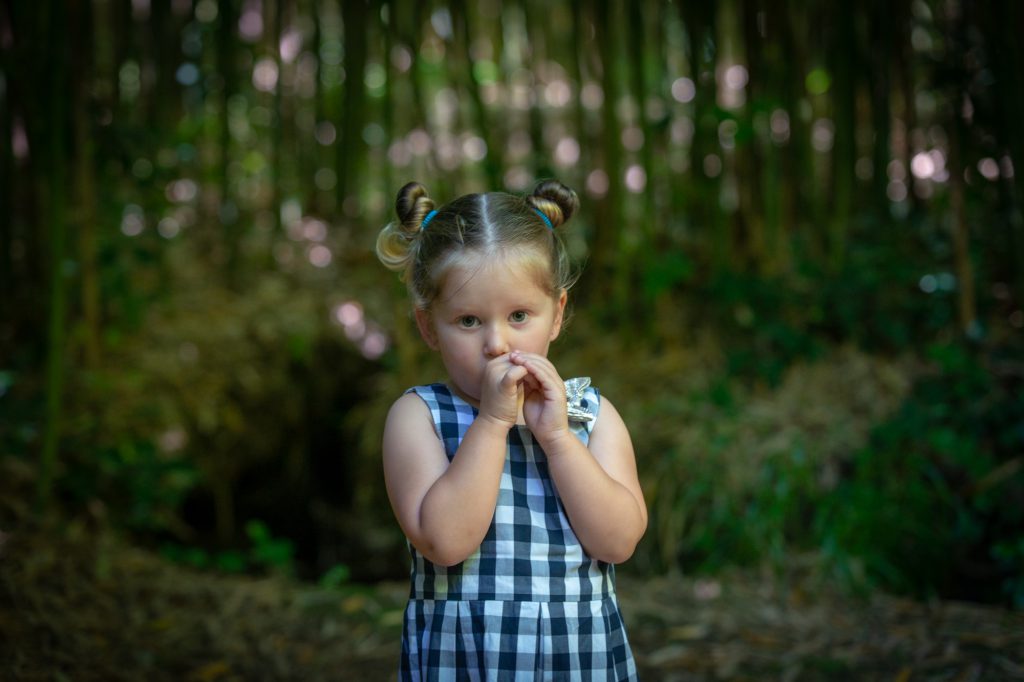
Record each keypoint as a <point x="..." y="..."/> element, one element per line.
<point x="557" y="443"/>
<point x="498" y="425"/>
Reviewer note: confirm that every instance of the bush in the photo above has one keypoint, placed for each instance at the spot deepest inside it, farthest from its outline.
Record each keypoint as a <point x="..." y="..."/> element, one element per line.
<point x="932" y="504"/>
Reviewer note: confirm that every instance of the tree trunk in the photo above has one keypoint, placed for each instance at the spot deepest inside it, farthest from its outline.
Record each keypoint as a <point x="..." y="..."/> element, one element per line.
<point x="1003" y="23"/>
<point x="493" y="138"/>
<point x="309" y="161"/>
<point x="7" y="192"/>
<point x="537" y="43"/>
<point x="85" y="179"/>
<point x="351" y="149"/>
<point x="639" y="37"/>
<point x="55" y="210"/>
<point x="881" y="56"/>
<point x="608" y="265"/>
<point x="903" y="71"/>
<point x="966" y="307"/>
<point x="699" y="23"/>
<point x="794" y="153"/>
<point x="749" y="161"/>
<point x="767" y="80"/>
<point x="438" y="186"/>
<point x="844" y="154"/>
<point x="579" y="118"/>
<point x="277" y="178"/>
<point x="387" y="32"/>
<point x="225" y="218"/>
<point x="162" y="102"/>
<point x="123" y="32"/>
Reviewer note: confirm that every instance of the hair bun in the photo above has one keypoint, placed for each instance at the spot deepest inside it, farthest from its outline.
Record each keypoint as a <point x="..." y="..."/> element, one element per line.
<point x="555" y="200"/>
<point x="397" y="241"/>
<point x="412" y="205"/>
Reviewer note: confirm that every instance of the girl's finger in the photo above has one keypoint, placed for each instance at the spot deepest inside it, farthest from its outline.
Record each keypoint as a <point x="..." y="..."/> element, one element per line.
<point x="544" y="372"/>
<point x="512" y="377"/>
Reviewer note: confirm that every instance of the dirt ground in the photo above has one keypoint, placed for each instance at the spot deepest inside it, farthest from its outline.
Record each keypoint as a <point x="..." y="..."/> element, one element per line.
<point x="82" y="606"/>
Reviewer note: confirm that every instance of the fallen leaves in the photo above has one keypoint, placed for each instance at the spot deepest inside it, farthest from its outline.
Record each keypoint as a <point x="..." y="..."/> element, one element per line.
<point x="143" y="618"/>
<point x="758" y="629"/>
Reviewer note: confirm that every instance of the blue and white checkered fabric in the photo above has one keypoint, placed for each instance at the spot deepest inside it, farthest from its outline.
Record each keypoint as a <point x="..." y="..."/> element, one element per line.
<point x="529" y="604"/>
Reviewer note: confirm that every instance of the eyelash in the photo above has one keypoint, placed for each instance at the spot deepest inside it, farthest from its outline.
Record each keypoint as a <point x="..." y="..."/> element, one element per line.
<point x="518" y="317"/>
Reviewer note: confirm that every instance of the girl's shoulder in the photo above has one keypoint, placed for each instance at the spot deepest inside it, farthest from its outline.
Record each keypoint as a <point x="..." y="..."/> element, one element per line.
<point x="439" y="398"/>
<point x="408" y="407"/>
<point x="429" y="391"/>
<point x="436" y="401"/>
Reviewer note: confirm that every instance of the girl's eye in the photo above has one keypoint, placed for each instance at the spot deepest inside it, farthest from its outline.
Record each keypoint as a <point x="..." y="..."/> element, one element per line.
<point x="467" y="321"/>
<point x="519" y="316"/>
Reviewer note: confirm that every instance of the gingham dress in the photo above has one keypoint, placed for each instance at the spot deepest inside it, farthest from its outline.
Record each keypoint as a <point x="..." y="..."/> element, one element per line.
<point x="529" y="604"/>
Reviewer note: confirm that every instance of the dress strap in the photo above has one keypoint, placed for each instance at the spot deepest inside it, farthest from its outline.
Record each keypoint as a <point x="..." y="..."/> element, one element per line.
<point x="451" y="414"/>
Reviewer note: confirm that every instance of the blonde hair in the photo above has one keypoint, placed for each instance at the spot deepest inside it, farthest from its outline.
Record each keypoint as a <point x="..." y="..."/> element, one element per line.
<point x="494" y="223"/>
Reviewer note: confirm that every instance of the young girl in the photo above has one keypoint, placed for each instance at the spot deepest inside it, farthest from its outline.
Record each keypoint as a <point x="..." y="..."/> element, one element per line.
<point x="516" y="498"/>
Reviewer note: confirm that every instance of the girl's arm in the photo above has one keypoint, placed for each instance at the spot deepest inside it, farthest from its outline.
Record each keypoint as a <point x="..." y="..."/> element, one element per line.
<point x="599" y="485"/>
<point x="446" y="508"/>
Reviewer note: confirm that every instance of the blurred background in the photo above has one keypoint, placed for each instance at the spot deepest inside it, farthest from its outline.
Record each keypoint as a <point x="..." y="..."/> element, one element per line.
<point x="800" y="234"/>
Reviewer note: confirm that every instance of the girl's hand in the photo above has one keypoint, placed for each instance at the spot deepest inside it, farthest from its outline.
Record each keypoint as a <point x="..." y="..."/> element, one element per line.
<point x="501" y="391"/>
<point x="544" y="403"/>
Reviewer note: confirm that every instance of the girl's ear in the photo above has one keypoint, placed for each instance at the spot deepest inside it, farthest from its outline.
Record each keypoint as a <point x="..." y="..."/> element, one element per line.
<point x="556" y="327"/>
<point x="426" y="327"/>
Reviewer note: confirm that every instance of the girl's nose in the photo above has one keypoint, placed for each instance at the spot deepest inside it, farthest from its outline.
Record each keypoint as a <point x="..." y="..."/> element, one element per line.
<point x="496" y="343"/>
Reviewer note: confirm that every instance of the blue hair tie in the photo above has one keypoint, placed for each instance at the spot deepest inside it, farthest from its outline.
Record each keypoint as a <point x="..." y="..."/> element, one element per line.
<point x="543" y="216"/>
<point x="426" y="220"/>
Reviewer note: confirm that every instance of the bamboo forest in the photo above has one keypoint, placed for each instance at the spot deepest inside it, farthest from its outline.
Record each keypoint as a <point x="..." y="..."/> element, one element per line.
<point x="800" y="243"/>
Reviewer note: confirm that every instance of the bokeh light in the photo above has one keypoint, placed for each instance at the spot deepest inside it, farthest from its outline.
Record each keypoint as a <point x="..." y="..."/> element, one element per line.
<point x="636" y="178"/>
<point x="133" y="220"/>
<point x="712" y="165"/>
<point x="168" y="227"/>
<point x="779" y="125"/>
<point x="567" y="152"/>
<point x="250" y="22"/>
<point x="264" y="75"/>
<point x="290" y="45"/>
<point x="319" y="255"/>
<point x="822" y="134"/>
<point x="988" y="168"/>
<point x="592" y="96"/>
<point x="632" y="138"/>
<point x="683" y="90"/>
<point x="557" y="93"/>
<point x="597" y="183"/>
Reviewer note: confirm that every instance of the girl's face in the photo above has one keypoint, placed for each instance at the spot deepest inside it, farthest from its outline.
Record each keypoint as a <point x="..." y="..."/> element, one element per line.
<point x="488" y="307"/>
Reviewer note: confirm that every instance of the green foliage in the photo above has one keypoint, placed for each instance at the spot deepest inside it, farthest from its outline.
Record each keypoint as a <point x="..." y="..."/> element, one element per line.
<point x="218" y="353"/>
<point x="665" y="271"/>
<point x="900" y="477"/>
<point x="935" y="497"/>
<point x="265" y="553"/>
<point x="212" y="386"/>
<point x="762" y="523"/>
<point x="143" y="486"/>
<point x="1010" y="555"/>
<point x="336" y="577"/>
<point x="875" y="300"/>
<point x="767" y="325"/>
<point x="732" y="472"/>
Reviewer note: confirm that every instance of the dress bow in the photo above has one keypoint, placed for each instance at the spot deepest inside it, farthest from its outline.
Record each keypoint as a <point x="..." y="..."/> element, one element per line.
<point x="574" y="388"/>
